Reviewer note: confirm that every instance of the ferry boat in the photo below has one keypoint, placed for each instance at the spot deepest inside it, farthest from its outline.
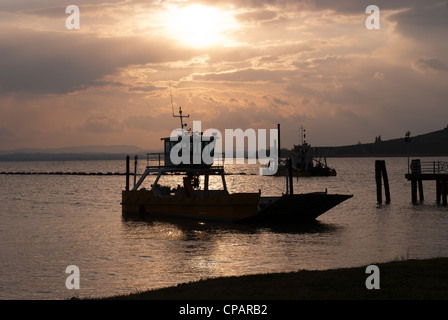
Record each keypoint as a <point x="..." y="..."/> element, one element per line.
<point x="195" y="200"/>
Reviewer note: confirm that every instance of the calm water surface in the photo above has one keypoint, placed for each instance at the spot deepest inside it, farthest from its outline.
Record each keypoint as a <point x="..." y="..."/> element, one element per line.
<point x="48" y="222"/>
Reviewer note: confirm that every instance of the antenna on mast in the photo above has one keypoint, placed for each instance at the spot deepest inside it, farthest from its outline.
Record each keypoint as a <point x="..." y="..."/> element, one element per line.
<point x="171" y="95"/>
<point x="182" y="124"/>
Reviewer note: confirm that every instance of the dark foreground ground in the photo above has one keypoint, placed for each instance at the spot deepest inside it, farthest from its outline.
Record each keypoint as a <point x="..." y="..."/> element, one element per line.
<point x="403" y="280"/>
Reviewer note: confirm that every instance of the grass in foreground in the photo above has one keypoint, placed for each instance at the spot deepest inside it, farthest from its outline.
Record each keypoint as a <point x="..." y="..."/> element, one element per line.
<point x="407" y="280"/>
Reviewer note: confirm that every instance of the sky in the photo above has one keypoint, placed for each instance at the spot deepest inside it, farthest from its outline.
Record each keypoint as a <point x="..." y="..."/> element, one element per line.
<point x="229" y="64"/>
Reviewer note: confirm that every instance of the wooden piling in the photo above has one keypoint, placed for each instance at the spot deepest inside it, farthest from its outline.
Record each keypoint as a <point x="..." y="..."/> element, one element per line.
<point x="444" y="192"/>
<point x="379" y="188"/>
<point x="290" y="174"/>
<point x="420" y="190"/>
<point x="414" y="190"/>
<point x="386" y="183"/>
<point x="417" y="184"/>
<point x="438" y="190"/>
<point x="381" y="176"/>
<point x="416" y="169"/>
<point x="127" y="173"/>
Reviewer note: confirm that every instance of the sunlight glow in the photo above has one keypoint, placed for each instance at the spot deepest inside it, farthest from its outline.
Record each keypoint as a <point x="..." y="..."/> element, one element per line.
<point x="198" y="25"/>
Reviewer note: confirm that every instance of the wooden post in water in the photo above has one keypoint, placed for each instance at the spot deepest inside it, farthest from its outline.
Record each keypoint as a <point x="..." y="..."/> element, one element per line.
<point x="420" y="190"/>
<point x="444" y="191"/>
<point x="414" y="190"/>
<point x="379" y="191"/>
<point x="127" y="173"/>
<point x="289" y="164"/>
<point x="438" y="190"/>
<point x="386" y="182"/>
<point x="416" y="169"/>
<point x="381" y="174"/>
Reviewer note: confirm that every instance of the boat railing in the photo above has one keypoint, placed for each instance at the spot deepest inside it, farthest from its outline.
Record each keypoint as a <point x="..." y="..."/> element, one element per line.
<point x="157" y="160"/>
<point x="153" y="157"/>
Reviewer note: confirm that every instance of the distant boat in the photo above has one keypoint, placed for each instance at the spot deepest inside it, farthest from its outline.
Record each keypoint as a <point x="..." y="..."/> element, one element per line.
<point x="191" y="200"/>
<point x="307" y="161"/>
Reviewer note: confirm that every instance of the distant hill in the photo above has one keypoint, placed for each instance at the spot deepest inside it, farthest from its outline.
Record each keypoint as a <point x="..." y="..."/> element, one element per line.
<point x="78" y="149"/>
<point x="429" y="144"/>
<point x="72" y="153"/>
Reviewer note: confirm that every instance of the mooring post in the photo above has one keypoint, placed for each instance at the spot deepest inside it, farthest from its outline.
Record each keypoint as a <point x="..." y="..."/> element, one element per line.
<point x="381" y="174"/>
<point x="127" y="173"/>
<point x="291" y="188"/>
<point x="444" y="191"/>
<point x="416" y="168"/>
<point x="379" y="193"/>
<point x="414" y="190"/>
<point x="386" y="182"/>
<point x="420" y="190"/>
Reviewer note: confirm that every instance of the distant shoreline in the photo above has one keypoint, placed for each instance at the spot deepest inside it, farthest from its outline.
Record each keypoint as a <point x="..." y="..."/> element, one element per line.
<point x="433" y="144"/>
<point x="103" y="157"/>
<point x="409" y="280"/>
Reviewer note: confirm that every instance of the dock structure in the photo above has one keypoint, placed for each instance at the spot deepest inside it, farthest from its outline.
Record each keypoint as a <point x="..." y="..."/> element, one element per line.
<point x="428" y="170"/>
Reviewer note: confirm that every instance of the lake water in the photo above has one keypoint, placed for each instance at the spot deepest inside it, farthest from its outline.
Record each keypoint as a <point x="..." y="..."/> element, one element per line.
<point x="48" y="222"/>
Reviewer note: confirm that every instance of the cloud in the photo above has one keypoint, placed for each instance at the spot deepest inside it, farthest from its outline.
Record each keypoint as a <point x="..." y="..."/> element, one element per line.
<point x="6" y="133"/>
<point x="349" y="7"/>
<point x="430" y="65"/>
<point x="426" y="21"/>
<point x="358" y="7"/>
<point x="289" y="62"/>
<point x="246" y="75"/>
<point x="24" y="5"/>
<point x="158" y="122"/>
<point x="47" y="12"/>
<point x="51" y="62"/>
<point x="259" y="15"/>
<point x="101" y="124"/>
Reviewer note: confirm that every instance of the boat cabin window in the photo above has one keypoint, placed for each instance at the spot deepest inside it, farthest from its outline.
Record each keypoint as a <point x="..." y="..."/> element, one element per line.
<point x="195" y="149"/>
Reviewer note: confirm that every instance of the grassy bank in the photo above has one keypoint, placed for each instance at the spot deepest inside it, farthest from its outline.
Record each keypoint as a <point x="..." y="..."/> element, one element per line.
<point x="412" y="279"/>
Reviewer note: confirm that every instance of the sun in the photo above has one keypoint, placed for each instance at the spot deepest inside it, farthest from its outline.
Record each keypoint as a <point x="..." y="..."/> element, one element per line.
<point x="198" y="25"/>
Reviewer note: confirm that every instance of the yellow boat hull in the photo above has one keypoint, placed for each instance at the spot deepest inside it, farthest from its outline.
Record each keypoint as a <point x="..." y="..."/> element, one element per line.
<point x="226" y="207"/>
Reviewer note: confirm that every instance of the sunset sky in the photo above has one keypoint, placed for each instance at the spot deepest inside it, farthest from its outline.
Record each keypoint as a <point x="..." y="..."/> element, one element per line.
<point x="231" y="64"/>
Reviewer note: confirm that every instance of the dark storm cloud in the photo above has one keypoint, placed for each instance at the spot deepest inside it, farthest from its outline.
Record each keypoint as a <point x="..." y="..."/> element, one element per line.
<point x="51" y="62"/>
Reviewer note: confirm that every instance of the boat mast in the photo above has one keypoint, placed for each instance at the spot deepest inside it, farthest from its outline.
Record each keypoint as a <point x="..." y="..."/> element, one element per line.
<point x="182" y="125"/>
